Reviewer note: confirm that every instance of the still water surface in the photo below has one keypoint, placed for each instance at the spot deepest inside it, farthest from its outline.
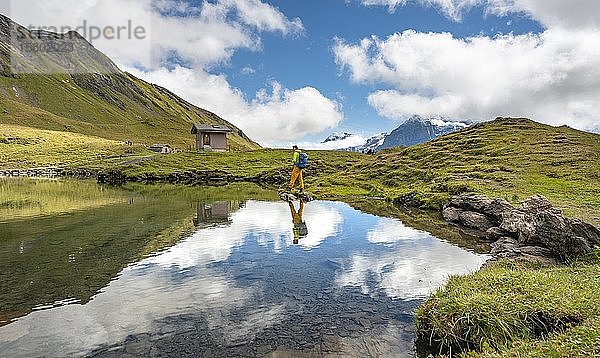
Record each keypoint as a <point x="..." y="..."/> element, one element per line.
<point x="109" y="275"/>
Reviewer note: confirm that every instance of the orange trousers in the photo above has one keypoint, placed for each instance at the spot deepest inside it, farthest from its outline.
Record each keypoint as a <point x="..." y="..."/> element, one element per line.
<point x="296" y="175"/>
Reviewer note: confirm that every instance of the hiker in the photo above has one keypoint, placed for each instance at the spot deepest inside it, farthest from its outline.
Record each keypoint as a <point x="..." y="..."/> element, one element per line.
<point x="300" y="162"/>
<point x="300" y="229"/>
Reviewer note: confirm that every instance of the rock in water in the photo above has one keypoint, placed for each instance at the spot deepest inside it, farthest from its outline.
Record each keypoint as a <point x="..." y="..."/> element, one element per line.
<point x="287" y="197"/>
<point x="305" y="197"/>
<point x="536" y="231"/>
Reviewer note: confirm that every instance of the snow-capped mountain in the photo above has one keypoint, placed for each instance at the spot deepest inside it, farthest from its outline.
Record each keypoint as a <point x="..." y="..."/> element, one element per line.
<point x="371" y="145"/>
<point x="417" y="130"/>
<point x="337" y="136"/>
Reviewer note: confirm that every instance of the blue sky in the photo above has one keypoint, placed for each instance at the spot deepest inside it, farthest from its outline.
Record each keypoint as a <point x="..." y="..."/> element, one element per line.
<point x="307" y="59"/>
<point x="293" y="71"/>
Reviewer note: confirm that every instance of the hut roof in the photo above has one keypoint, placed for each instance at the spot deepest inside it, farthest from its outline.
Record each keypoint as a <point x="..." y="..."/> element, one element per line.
<point x="210" y="128"/>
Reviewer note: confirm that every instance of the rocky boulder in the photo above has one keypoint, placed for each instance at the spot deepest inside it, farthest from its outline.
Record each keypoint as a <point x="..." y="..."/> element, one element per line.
<point x="535" y="231"/>
<point x="494" y="209"/>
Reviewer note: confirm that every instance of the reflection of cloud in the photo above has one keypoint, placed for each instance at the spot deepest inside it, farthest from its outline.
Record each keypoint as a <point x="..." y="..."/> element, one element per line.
<point x="132" y="304"/>
<point x="391" y="230"/>
<point x="322" y="222"/>
<point x="178" y="281"/>
<point x="267" y="222"/>
<point x="410" y="270"/>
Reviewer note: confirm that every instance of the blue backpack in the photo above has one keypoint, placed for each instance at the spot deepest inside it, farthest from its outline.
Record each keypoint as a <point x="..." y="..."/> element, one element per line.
<point x="302" y="161"/>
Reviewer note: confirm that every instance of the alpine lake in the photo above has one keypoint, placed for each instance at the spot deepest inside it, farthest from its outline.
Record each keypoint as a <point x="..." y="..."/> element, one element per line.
<point x="170" y="271"/>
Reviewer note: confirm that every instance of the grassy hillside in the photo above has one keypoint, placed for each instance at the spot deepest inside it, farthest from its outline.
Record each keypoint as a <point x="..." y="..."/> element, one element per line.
<point x="25" y="147"/>
<point x="507" y="158"/>
<point x="57" y="102"/>
<point x="82" y="91"/>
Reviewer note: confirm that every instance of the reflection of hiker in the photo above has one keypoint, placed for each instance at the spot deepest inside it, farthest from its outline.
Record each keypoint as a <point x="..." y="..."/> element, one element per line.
<point x="300" y="162"/>
<point x="300" y="229"/>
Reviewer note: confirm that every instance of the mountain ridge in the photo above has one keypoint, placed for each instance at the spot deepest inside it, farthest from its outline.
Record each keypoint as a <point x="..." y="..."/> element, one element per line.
<point x="415" y="130"/>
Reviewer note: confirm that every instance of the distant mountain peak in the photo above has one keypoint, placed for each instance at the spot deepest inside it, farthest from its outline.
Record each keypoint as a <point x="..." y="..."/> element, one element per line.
<point x="337" y="136"/>
<point x="417" y="130"/>
<point x="439" y="121"/>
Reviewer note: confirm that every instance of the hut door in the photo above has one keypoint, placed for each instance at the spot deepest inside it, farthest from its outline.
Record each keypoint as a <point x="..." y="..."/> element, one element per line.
<point x="206" y="139"/>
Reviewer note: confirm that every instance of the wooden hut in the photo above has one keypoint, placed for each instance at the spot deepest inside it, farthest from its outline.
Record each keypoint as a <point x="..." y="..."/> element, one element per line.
<point x="211" y="137"/>
<point x="161" y="148"/>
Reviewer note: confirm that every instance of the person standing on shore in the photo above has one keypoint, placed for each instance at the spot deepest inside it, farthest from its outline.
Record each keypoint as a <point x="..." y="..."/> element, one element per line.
<point x="300" y="161"/>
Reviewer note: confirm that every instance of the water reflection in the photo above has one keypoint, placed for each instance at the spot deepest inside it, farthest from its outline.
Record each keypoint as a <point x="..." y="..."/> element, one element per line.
<point x="300" y="228"/>
<point x="215" y="213"/>
<point x="249" y="281"/>
<point x="416" y="264"/>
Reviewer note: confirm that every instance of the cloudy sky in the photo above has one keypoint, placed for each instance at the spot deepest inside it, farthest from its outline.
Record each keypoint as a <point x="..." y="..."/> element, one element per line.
<point x="294" y="71"/>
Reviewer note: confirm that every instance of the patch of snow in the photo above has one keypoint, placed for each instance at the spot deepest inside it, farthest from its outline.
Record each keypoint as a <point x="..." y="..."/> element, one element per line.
<point x="351" y="140"/>
<point x="444" y="123"/>
<point x="337" y="136"/>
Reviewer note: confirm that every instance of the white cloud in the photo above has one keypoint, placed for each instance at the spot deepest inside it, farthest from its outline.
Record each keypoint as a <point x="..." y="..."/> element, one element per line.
<point x="454" y="9"/>
<point x="247" y="71"/>
<point x="273" y="116"/>
<point x="573" y="13"/>
<point x="552" y="77"/>
<point x="264" y="16"/>
<point x="552" y="13"/>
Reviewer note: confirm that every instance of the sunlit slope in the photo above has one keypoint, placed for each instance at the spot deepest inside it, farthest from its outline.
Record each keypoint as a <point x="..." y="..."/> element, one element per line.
<point x="26" y="147"/>
<point x="153" y="115"/>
